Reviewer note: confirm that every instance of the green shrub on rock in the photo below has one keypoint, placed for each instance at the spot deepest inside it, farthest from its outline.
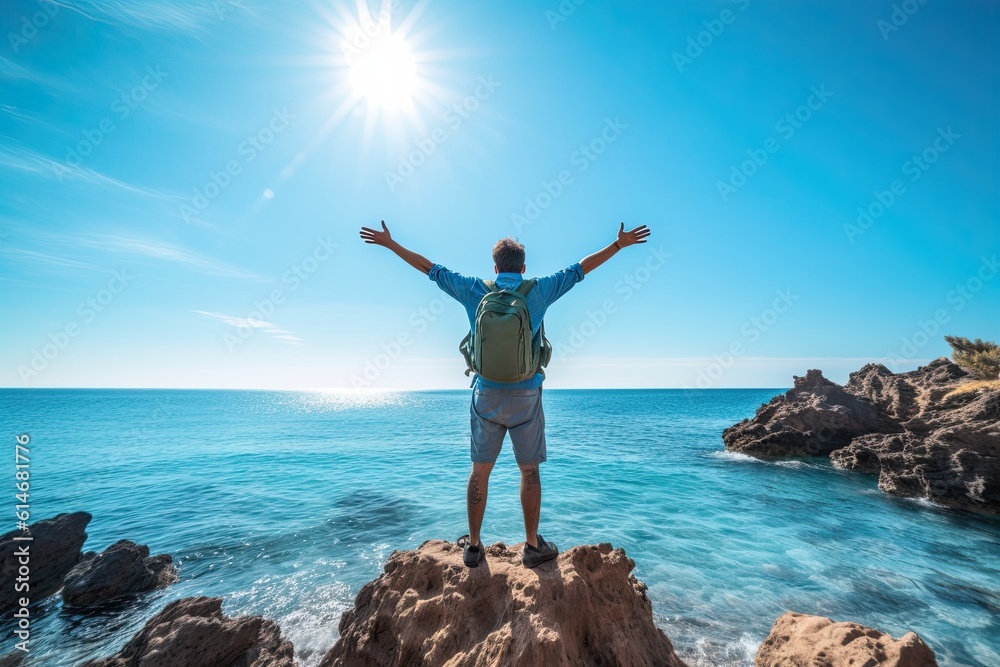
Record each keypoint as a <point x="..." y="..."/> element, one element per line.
<point x="979" y="358"/>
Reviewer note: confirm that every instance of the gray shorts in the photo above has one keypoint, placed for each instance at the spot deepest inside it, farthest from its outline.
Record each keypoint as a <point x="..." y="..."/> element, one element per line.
<point x="494" y="412"/>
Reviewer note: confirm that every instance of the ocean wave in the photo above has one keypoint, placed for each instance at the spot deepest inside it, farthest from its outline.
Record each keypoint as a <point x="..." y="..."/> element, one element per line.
<point x="923" y="502"/>
<point x="705" y="653"/>
<point x="734" y="456"/>
<point x="739" y="457"/>
<point x="794" y="464"/>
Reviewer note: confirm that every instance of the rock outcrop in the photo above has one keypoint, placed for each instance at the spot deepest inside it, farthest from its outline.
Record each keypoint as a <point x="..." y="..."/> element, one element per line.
<point x="797" y="639"/>
<point x="194" y="632"/>
<point x="53" y="550"/>
<point x="428" y="609"/>
<point x="123" y="568"/>
<point x="813" y="418"/>
<point x="910" y="429"/>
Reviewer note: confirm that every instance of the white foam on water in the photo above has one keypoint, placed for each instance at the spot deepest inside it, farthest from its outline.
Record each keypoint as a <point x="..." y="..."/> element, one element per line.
<point x="733" y="456"/>
<point x="739" y="457"/>
<point x="313" y="630"/>
<point x="924" y="502"/>
<point x="739" y="653"/>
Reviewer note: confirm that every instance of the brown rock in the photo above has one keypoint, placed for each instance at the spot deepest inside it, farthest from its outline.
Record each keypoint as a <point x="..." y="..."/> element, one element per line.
<point x="949" y="451"/>
<point x="891" y="394"/>
<point x="53" y="551"/>
<point x="122" y="569"/>
<point x="812" y="419"/>
<point x="798" y="640"/>
<point x="428" y="609"/>
<point x="908" y="428"/>
<point x="865" y="453"/>
<point x="193" y="632"/>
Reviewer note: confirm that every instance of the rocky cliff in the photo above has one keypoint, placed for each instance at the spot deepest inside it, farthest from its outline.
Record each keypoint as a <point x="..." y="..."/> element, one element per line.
<point x="122" y="569"/>
<point x="193" y="632"/>
<point x="914" y="430"/>
<point x="798" y="639"/>
<point x="427" y="609"/>
<point x="584" y="608"/>
<point x="53" y="550"/>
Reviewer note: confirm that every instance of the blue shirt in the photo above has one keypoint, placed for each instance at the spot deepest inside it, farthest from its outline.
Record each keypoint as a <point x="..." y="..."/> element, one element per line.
<point x="469" y="291"/>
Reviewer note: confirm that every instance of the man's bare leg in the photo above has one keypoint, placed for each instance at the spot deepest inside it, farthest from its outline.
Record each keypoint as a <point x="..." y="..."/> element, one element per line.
<point x="531" y="501"/>
<point x="475" y="498"/>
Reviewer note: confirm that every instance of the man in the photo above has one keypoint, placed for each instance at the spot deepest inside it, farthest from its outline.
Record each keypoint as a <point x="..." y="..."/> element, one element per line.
<point x="501" y="407"/>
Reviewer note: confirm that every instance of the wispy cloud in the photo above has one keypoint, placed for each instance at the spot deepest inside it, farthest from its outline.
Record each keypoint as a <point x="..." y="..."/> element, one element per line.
<point x="28" y="119"/>
<point x="76" y="251"/>
<point x="156" y="15"/>
<point x="34" y="256"/>
<point x="27" y="161"/>
<point x="270" y="329"/>
<point x="12" y="70"/>
<point x="169" y="253"/>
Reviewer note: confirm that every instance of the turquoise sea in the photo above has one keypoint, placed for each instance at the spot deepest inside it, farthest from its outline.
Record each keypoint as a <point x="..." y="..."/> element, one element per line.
<point x="286" y="503"/>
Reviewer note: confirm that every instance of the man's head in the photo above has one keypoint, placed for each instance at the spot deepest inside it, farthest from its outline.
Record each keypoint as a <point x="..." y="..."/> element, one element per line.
<point x="508" y="256"/>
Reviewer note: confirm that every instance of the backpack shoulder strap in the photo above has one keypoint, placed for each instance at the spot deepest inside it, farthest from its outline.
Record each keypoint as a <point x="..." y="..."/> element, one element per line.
<point x="491" y="285"/>
<point x="526" y="286"/>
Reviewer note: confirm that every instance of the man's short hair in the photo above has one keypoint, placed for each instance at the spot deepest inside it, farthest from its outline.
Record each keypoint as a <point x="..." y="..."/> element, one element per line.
<point x="508" y="255"/>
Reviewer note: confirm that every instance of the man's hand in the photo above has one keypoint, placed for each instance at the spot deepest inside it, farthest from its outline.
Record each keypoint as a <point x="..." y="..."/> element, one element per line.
<point x="377" y="237"/>
<point x="637" y="235"/>
<point x="594" y="260"/>
<point x="382" y="238"/>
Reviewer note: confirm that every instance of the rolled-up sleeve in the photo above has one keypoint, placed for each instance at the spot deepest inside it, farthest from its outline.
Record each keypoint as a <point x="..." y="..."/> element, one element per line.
<point x="553" y="286"/>
<point x="455" y="285"/>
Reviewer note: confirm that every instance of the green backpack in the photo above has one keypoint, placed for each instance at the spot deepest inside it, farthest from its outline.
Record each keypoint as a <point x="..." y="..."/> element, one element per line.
<point x="500" y="346"/>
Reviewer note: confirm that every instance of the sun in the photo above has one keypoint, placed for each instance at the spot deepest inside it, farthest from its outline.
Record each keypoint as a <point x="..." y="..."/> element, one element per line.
<point x="377" y="71"/>
<point x="384" y="72"/>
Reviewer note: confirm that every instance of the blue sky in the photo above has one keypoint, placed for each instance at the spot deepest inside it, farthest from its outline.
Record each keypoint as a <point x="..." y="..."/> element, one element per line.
<point x="183" y="183"/>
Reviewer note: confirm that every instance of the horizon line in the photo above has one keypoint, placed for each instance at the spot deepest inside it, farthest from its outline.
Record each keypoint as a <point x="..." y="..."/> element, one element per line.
<point x="378" y="390"/>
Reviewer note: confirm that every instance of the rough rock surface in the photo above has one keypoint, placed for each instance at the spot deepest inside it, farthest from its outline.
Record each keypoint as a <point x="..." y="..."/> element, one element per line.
<point x="583" y="608"/>
<point x="813" y="418"/>
<point x="815" y="641"/>
<point x="53" y="551"/>
<point x="193" y="632"/>
<point x="908" y="428"/>
<point x="123" y="568"/>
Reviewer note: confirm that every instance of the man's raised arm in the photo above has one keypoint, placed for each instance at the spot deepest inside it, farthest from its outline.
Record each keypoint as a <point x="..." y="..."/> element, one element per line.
<point x="382" y="238"/>
<point x="637" y="235"/>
